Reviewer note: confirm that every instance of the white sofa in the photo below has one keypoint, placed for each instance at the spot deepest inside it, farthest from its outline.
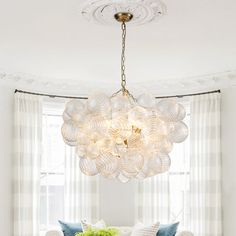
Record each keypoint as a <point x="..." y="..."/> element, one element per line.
<point x="124" y="231"/>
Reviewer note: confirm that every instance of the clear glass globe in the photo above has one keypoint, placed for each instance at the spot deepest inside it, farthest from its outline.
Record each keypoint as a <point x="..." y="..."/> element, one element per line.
<point x="97" y="123"/>
<point x="131" y="162"/>
<point x="144" y="172"/>
<point x="75" y="110"/>
<point x="88" y="166"/>
<point x="168" y="109"/>
<point x="99" y="103"/>
<point x="107" y="164"/>
<point x="179" y="132"/>
<point x="121" y="122"/>
<point x="92" y="150"/>
<point x="120" y="103"/>
<point x="106" y="145"/>
<point x="164" y="146"/>
<point x="134" y="141"/>
<point x="155" y="164"/>
<point x="137" y="116"/>
<point x="82" y="137"/>
<point x="182" y="113"/>
<point x="146" y="100"/>
<point x="81" y="150"/>
<point x="70" y="132"/>
<point x="66" y="117"/>
<point x="122" y="178"/>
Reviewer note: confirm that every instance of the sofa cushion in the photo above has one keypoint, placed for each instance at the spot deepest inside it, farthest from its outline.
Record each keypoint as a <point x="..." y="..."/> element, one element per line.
<point x="69" y="229"/>
<point x="168" y="230"/>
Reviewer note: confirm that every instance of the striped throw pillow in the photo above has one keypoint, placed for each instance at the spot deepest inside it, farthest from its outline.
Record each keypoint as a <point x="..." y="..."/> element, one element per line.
<point x="144" y="230"/>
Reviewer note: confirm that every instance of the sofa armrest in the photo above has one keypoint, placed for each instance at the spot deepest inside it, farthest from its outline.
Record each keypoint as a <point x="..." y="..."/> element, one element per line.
<point x="184" y="233"/>
<point x="54" y="233"/>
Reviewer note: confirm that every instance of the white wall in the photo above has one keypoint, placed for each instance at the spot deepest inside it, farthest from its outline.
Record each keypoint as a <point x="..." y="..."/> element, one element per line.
<point x="228" y="142"/>
<point x="6" y="144"/>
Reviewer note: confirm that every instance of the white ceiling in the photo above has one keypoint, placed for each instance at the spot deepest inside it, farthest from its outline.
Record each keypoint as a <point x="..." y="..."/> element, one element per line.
<point x="46" y="45"/>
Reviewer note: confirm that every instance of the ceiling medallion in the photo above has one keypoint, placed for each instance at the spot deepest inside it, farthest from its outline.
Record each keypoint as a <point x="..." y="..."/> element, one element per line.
<point x="120" y="136"/>
<point x="143" y="11"/>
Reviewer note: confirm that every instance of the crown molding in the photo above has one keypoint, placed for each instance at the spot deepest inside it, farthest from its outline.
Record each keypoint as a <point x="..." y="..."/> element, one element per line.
<point x="158" y="87"/>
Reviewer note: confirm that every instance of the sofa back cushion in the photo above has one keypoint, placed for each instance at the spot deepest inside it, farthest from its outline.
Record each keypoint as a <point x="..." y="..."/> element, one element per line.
<point x="69" y="229"/>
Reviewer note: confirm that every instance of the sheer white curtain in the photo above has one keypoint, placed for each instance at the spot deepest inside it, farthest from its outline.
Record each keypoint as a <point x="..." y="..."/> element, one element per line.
<point x="152" y="199"/>
<point x="205" y="166"/>
<point x="164" y="197"/>
<point x="201" y="176"/>
<point x="27" y="154"/>
<point x="81" y="191"/>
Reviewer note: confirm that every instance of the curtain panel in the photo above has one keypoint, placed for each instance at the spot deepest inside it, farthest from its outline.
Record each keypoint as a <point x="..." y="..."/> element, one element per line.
<point x="26" y="162"/>
<point x="205" y="166"/>
<point x="202" y="201"/>
<point x="156" y="196"/>
<point x="81" y="191"/>
<point x="152" y="199"/>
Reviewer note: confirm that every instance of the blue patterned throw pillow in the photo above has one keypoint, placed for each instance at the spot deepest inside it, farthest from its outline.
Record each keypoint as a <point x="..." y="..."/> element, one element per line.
<point x="168" y="230"/>
<point x="70" y="229"/>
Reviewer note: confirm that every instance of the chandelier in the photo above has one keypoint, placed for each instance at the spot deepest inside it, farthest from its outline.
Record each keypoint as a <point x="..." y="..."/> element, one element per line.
<point x="120" y="136"/>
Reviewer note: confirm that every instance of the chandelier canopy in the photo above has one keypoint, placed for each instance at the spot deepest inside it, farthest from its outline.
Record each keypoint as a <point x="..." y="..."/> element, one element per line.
<point x="121" y="136"/>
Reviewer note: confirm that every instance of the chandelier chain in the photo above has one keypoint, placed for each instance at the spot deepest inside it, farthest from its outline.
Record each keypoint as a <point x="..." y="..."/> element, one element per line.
<point x="123" y="76"/>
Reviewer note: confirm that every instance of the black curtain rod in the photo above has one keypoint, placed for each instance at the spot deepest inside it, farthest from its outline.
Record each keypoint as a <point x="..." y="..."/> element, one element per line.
<point x="73" y="97"/>
<point x="49" y="95"/>
<point x="190" y="94"/>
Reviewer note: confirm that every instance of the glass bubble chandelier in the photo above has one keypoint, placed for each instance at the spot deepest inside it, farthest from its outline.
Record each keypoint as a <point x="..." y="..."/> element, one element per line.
<point x="121" y="136"/>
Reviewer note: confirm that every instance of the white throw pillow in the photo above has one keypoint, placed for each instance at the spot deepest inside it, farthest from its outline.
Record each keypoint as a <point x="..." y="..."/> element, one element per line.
<point x="144" y="230"/>
<point x="99" y="225"/>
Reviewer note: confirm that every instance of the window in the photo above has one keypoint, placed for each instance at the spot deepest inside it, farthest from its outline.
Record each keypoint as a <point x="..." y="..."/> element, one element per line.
<point x="52" y="171"/>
